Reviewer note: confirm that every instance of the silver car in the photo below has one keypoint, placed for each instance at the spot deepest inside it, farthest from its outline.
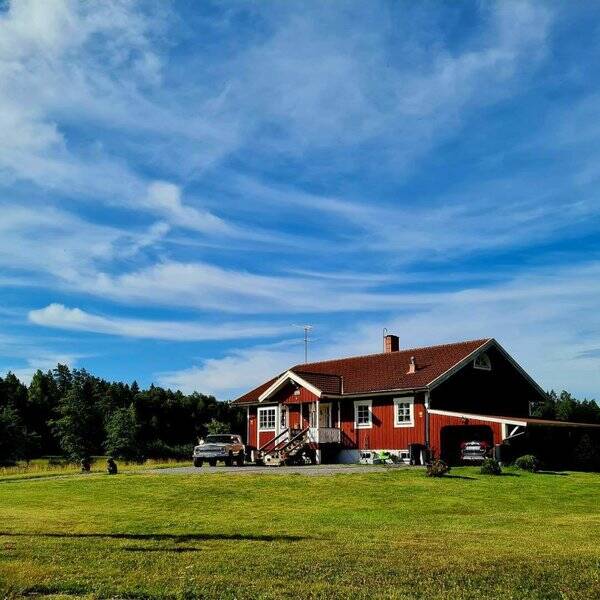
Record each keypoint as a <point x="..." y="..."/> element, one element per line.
<point x="226" y="447"/>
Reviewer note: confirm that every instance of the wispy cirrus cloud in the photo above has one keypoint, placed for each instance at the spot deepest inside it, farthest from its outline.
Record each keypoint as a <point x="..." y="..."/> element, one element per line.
<point x="548" y="320"/>
<point x="355" y="165"/>
<point x="59" y="316"/>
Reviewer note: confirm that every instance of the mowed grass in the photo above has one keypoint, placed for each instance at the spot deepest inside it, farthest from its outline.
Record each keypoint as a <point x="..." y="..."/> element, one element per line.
<point x="393" y="534"/>
<point x="42" y="467"/>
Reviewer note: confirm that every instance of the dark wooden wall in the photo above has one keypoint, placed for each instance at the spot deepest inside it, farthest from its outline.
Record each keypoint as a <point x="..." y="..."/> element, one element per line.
<point x="502" y="391"/>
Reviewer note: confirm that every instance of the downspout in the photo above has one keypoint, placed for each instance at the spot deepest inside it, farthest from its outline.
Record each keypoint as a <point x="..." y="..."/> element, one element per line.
<point x="426" y="405"/>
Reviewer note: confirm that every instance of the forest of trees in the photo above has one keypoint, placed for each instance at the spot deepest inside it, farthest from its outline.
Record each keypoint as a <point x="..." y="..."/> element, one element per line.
<point x="76" y="415"/>
<point x="564" y="407"/>
<point x="73" y="414"/>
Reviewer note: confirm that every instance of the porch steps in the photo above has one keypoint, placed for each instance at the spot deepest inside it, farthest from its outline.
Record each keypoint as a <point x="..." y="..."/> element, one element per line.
<point x="283" y="451"/>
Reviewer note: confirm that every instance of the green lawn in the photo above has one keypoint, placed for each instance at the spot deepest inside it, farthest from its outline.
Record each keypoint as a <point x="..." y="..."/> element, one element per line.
<point x="46" y="468"/>
<point x="392" y="534"/>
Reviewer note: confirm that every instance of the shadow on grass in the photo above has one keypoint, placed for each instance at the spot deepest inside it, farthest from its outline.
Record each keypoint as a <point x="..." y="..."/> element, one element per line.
<point x="177" y="549"/>
<point x="459" y="477"/>
<point x="560" y="474"/>
<point x="177" y="538"/>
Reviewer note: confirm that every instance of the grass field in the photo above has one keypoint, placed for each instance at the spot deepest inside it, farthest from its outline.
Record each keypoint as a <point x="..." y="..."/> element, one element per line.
<point x="42" y="467"/>
<point x="392" y="534"/>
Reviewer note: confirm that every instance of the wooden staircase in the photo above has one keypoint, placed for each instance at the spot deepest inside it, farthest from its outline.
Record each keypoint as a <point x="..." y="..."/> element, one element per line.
<point x="281" y="451"/>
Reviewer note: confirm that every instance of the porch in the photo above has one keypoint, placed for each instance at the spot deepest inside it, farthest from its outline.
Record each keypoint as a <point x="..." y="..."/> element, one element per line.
<point x="297" y="432"/>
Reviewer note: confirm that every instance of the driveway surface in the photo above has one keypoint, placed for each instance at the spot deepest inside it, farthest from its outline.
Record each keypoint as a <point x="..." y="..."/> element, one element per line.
<point x="311" y="470"/>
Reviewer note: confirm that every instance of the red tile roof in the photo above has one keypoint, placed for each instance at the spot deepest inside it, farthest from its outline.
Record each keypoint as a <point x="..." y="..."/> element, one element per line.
<point x="378" y="372"/>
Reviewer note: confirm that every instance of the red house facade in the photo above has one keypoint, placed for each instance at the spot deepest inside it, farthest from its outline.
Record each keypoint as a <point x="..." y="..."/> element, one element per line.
<point x="398" y="402"/>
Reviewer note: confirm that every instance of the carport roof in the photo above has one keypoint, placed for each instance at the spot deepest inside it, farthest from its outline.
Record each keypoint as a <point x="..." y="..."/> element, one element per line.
<point x="523" y="421"/>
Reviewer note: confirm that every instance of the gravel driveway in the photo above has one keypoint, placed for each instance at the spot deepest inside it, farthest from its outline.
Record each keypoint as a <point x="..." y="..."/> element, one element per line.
<point x="311" y="470"/>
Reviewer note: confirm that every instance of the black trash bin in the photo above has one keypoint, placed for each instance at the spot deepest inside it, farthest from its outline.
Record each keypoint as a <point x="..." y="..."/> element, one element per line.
<point x="416" y="453"/>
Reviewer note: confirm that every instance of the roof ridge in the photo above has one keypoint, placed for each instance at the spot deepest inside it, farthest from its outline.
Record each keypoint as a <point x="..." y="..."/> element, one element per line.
<point x="330" y="360"/>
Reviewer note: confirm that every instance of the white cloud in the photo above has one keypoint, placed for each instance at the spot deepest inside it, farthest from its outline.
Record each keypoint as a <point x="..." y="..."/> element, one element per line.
<point x="331" y="78"/>
<point x="549" y="321"/>
<point x="63" y="248"/>
<point x="74" y="319"/>
<point x="165" y="198"/>
<point x="225" y="376"/>
<point x="67" y="62"/>
<point x="24" y="356"/>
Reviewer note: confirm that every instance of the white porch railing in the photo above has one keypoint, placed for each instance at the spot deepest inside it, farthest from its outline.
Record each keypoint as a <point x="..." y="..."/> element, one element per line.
<point x="324" y="435"/>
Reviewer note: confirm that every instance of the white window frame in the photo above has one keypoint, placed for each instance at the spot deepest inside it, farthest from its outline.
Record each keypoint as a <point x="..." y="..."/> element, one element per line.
<point x="369" y="404"/>
<point x="263" y="409"/>
<point x="410" y="400"/>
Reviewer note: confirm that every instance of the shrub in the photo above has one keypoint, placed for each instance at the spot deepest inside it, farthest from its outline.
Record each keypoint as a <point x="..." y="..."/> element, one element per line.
<point x="490" y="466"/>
<point x="437" y="468"/>
<point x="528" y="462"/>
<point x="586" y="455"/>
<point x="159" y="450"/>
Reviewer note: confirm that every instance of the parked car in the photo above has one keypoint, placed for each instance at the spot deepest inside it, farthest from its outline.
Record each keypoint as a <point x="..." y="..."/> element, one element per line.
<point x="474" y="450"/>
<point x="226" y="447"/>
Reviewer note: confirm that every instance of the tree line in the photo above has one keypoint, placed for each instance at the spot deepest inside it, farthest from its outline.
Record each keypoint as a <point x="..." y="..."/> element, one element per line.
<point x="564" y="407"/>
<point x="72" y="413"/>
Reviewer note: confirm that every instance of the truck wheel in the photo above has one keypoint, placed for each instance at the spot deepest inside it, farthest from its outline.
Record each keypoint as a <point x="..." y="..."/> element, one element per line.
<point x="198" y="462"/>
<point x="212" y="462"/>
<point x="239" y="461"/>
<point x="229" y="460"/>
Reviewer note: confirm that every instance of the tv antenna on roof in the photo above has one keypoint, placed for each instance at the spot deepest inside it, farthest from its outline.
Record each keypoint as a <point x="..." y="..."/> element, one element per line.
<point x="307" y="329"/>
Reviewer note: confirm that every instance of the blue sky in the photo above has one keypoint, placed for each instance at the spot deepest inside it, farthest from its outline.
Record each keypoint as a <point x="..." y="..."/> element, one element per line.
<point x="183" y="183"/>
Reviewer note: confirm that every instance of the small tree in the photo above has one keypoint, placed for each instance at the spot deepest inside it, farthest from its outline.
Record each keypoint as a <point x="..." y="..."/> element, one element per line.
<point x="13" y="440"/>
<point x="75" y="424"/>
<point x="215" y="426"/>
<point x="122" y="434"/>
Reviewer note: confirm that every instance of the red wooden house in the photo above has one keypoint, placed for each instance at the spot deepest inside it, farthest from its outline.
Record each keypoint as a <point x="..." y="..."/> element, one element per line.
<point x="394" y="402"/>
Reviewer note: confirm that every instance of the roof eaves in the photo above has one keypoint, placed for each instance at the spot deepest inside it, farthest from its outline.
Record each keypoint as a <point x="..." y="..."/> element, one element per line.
<point x="376" y="392"/>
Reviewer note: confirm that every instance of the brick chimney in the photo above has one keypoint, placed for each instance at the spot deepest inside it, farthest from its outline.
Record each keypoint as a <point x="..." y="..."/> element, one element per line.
<point x="412" y="367"/>
<point x="391" y="343"/>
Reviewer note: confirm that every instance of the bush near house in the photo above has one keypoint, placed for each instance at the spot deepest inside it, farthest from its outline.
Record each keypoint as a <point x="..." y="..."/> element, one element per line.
<point x="437" y="468"/>
<point x="528" y="462"/>
<point x="490" y="466"/>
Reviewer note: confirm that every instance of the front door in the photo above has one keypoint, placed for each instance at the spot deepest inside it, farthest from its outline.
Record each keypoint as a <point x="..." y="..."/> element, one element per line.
<point x="284" y="420"/>
<point x="324" y="415"/>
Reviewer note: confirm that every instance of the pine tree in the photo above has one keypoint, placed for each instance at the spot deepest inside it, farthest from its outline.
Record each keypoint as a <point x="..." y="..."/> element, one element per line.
<point x="63" y="378"/>
<point x="15" y="443"/>
<point x="76" y="422"/>
<point x="42" y="402"/>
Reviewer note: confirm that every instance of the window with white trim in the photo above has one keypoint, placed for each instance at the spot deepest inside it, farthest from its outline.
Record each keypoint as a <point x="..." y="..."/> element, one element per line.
<point x="267" y="418"/>
<point x="363" y="417"/>
<point x="404" y="411"/>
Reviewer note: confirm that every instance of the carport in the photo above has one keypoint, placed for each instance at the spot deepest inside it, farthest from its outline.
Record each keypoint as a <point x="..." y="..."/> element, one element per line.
<point x="451" y="436"/>
<point x="464" y="426"/>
